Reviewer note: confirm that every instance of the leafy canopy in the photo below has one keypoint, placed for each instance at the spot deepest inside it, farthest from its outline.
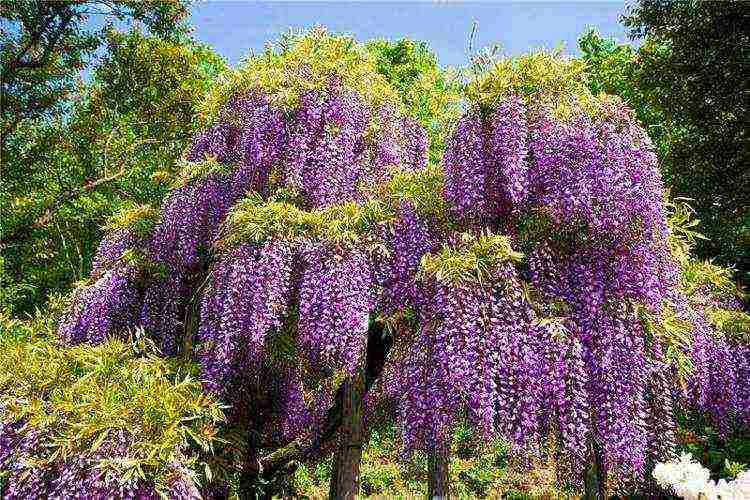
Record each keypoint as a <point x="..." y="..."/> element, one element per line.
<point x="300" y="63"/>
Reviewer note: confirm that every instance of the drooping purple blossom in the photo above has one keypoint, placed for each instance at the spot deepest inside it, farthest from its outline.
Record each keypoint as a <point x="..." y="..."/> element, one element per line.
<point x="103" y="309"/>
<point x="409" y="239"/>
<point x="335" y="302"/>
<point x="247" y="296"/>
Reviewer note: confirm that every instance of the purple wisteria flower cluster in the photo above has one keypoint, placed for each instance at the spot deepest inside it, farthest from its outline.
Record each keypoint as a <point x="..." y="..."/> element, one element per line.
<point x="331" y="148"/>
<point x="571" y="354"/>
<point x="325" y="151"/>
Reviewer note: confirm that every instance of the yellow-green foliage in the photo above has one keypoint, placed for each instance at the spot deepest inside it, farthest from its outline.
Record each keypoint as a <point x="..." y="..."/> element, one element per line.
<point x="302" y="62"/>
<point x="256" y="220"/>
<point x="139" y="218"/>
<point x="682" y="226"/>
<point x="472" y="259"/>
<point x="697" y="278"/>
<point x="423" y="189"/>
<point x="675" y="334"/>
<point x="536" y="75"/>
<point x="191" y="170"/>
<point x="541" y="78"/>
<point x="733" y="324"/>
<point x="695" y="274"/>
<point x="81" y="394"/>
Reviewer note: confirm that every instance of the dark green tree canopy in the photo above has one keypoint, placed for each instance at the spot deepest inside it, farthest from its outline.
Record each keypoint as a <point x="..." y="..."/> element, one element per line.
<point x="694" y="66"/>
<point x="116" y="145"/>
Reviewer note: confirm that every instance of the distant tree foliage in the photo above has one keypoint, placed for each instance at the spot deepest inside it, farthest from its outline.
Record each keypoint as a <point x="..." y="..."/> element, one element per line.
<point x="44" y="46"/>
<point x="694" y="67"/>
<point x="429" y="93"/>
<point x="614" y="68"/>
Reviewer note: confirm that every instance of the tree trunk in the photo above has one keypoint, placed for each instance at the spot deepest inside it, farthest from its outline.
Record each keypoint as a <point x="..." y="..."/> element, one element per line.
<point x="438" y="485"/>
<point x="345" y="477"/>
<point x="594" y="479"/>
<point x="301" y="449"/>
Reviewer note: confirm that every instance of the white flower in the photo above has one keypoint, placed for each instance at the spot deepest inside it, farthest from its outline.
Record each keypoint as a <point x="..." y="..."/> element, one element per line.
<point x="688" y="479"/>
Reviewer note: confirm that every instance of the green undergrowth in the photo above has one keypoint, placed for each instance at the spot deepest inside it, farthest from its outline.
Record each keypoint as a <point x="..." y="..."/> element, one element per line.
<point x="476" y="471"/>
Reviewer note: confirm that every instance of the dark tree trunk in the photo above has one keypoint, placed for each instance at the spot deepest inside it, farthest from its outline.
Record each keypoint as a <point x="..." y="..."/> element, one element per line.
<point x="282" y="462"/>
<point x="438" y="484"/>
<point x="594" y="479"/>
<point x="345" y="477"/>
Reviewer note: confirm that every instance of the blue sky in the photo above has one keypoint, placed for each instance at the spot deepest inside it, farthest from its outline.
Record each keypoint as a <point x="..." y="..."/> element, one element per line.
<point x="236" y="28"/>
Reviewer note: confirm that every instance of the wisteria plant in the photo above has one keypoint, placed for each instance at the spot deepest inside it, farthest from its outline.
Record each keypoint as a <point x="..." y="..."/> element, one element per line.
<point x="319" y="269"/>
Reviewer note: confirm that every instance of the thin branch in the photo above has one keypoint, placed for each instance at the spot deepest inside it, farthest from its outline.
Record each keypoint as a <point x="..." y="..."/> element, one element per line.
<point x="18" y="61"/>
<point x="33" y="39"/>
<point x="24" y="230"/>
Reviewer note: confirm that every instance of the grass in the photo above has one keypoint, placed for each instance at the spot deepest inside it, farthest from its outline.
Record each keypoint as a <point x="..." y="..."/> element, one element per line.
<point x="476" y="471"/>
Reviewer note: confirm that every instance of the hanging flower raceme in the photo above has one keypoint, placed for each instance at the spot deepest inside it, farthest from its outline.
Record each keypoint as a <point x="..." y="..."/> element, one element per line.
<point x="248" y="295"/>
<point x="578" y="189"/>
<point x="485" y="162"/>
<point x="179" y="241"/>
<point x="586" y="236"/>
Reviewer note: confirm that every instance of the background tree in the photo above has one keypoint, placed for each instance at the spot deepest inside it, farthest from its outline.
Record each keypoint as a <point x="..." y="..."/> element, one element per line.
<point x="692" y="66"/>
<point x="115" y="147"/>
<point x="45" y="45"/>
<point x="614" y="68"/>
<point x="430" y="93"/>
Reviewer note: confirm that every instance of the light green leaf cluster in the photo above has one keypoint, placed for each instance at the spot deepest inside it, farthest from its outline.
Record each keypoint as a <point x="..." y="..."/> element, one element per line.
<point x="676" y="335"/>
<point x="472" y="259"/>
<point x="734" y="324"/>
<point x="423" y="189"/>
<point x="697" y="278"/>
<point x="302" y="62"/>
<point x="256" y="220"/>
<point x="695" y="274"/>
<point x="194" y="170"/>
<point x="80" y="395"/>
<point x="144" y="263"/>
<point x="138" y="217"/>
<point x="536" y="74"/>
<point x="542" y="79"/>
<point x="698" y="273"/>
